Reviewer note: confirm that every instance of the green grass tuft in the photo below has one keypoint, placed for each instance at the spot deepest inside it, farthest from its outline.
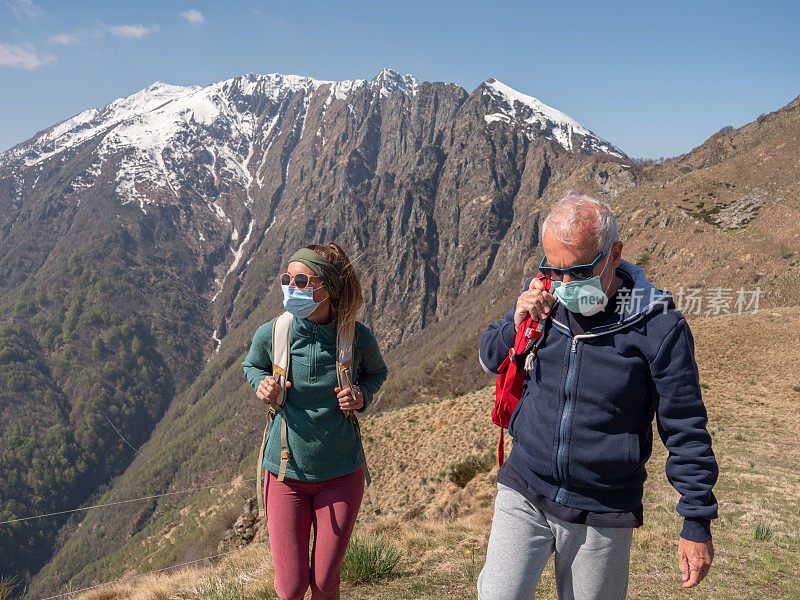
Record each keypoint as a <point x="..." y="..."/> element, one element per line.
<point x="369" y="558"/>
<point x="216" y="588"/>
<point x="763" y="531"/>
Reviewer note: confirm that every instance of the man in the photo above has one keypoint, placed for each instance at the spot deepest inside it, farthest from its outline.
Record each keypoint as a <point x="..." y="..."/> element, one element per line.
<point x="614" y="354"/>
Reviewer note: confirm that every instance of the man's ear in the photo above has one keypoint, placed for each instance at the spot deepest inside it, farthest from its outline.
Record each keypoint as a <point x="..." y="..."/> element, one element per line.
<point x="616" y="253"/>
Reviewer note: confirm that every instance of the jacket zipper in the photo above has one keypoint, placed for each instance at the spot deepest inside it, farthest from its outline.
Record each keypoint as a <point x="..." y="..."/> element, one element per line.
<point x="569" y="406"/>
<point x="561" y="466"/>
<point x="313" y="367"/>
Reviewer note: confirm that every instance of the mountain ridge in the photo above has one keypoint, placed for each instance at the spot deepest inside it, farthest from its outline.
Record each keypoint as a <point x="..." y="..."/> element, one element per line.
<point x="386" y="81"/>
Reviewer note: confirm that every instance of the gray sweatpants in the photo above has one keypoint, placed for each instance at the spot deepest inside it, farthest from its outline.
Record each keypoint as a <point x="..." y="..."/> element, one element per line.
<point x="591" y="562"/>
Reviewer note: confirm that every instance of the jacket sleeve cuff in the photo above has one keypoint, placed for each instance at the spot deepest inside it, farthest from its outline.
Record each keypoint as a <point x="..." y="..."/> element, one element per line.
<point x="367" y="396"/>
<point x="509" y="334"/>
<point x="696" y="529"/>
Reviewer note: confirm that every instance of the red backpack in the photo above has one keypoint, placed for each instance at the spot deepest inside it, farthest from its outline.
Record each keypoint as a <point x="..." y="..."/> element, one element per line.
<point x="508" y="388"/>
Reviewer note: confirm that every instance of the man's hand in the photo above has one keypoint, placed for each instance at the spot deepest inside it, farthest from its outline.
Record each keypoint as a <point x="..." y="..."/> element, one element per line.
<point x="536" y="301"/>
<point x="348" y="400"/>
<point x="269" y="389"/>
<point x="694" y="559"/>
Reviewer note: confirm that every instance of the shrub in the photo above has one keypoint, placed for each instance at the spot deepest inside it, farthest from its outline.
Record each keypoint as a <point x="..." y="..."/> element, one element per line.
<point x="462" y="473"/>
<point x="369" y="558"/>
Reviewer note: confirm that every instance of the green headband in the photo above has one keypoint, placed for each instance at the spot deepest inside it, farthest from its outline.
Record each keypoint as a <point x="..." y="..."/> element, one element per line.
<point x="331" y="278"/>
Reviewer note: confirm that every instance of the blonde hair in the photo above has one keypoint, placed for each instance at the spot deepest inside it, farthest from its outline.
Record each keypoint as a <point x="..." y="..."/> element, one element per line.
<point x="346" y="306"/>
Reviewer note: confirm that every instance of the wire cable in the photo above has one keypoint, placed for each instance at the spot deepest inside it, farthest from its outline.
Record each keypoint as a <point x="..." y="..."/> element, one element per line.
<point x="84" y="508"/>
<point x="122" y="438"/>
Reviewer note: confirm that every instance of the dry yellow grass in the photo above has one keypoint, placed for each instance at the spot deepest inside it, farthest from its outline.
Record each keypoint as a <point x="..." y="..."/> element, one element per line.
<point x="750" y="370"/>
<point x="245" y="574"/>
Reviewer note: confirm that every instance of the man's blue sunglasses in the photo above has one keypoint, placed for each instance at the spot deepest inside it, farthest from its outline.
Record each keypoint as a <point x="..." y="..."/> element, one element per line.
<point x="576" y="272"/>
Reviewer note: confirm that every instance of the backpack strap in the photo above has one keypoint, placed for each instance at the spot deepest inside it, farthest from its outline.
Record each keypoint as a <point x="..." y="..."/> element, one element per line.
<point x="281" y="357"/>
<point x="345" y="351"/>
<point x="280" y="370"/>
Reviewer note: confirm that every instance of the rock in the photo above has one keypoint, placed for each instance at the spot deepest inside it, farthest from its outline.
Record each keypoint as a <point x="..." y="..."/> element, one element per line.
<point x="243" y="522"/>
<point x="250" y="507"/>
<point x="740" y="212"/>
<point x="612" y="178"/>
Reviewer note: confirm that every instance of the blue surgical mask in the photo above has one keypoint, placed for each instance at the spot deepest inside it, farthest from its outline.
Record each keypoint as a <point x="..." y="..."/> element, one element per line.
<point x="584" y="296"/>
<point x="299" y="302"/>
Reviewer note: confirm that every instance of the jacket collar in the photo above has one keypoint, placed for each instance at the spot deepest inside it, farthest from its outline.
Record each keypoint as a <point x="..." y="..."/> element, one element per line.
<point x="325" y="333"/>
<point x="645" y="297"/>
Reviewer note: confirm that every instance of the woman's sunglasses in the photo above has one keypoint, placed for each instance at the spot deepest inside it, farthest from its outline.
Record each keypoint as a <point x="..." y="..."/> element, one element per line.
<point x="301" y="280"/>
<point x="576" y="272"/>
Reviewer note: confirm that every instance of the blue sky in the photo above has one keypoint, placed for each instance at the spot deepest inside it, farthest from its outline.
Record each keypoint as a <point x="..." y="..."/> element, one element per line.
<point x="654" y="78"/>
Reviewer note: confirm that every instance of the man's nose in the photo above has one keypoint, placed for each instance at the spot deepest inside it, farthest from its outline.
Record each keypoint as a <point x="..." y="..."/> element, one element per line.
<point x="567" y="278"/>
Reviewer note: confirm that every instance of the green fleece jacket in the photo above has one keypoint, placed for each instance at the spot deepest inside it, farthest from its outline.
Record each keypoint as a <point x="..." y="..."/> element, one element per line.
<point x="323" y="443"/>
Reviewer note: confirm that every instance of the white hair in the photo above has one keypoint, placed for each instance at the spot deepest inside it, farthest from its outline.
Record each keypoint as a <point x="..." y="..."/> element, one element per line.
<point x="573" y="214"/>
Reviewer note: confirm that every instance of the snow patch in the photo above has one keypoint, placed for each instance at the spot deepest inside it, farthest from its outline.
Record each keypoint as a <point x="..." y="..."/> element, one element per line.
<point x="497" y="117"/>
<point x="237" y="257"/>
<point x="340" y="90"/>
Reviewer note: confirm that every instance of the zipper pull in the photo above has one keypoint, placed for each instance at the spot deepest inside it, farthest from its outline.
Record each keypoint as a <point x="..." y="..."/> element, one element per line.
<point x="574" y="344"/>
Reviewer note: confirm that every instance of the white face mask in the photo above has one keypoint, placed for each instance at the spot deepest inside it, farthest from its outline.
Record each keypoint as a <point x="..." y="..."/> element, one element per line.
<point x="584" y="296"/>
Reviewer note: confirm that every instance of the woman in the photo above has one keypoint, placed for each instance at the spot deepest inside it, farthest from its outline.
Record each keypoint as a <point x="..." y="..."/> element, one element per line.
<point x="324" y="478"/>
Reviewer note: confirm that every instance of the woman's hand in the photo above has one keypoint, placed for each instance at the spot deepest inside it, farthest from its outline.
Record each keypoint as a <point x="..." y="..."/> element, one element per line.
<point x="269" y="389"/>
<point x="536" y="300"/>
<point x="348" y="400"/>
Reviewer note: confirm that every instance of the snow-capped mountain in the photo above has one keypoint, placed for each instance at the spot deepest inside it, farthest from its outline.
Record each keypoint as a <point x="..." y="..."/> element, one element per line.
<point x="167" y="140"/>
<point x="219" y="163"/>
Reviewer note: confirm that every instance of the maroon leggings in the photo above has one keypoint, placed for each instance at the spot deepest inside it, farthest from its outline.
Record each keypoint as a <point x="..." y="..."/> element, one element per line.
<point x="293" y="507"/>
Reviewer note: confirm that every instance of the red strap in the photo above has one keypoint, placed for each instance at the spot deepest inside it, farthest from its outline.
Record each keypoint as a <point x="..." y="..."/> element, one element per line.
<point x="501" y="449"/>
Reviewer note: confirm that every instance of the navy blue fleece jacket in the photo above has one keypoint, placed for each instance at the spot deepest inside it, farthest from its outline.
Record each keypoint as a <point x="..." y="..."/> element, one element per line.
<point x="583" y="428"/>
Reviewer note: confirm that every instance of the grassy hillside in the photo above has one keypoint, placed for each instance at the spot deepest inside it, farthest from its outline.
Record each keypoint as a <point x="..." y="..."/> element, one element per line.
<point x="422" y="454"/>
